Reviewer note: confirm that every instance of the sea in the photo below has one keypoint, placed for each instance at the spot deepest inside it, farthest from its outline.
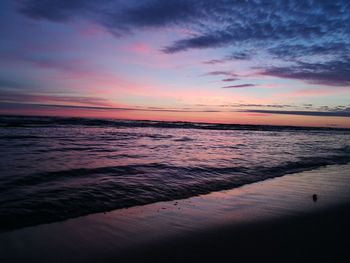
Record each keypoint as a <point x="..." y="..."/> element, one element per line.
<point x="55" y="168"/>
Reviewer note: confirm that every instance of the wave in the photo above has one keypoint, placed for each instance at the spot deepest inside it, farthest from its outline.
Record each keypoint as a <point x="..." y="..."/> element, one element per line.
<point x="20" y="137"/>
<point x="183" y="139"/>
<point x="37" y="198"/>
<point x="182" y="172"/>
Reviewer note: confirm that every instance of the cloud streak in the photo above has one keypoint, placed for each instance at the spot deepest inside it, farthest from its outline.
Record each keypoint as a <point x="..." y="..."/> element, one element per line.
<point x="230" y="79"/>
<point x="40" y="98"/>
<point x="220" y="73"/>
<point x="239" y="86"/>
<point x="344" y="113"/>
<point x="241" y="55"/>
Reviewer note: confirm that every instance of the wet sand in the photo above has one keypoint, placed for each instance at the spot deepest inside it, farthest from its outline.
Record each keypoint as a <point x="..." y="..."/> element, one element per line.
<point x="320" y="237"/>
<point x="274" y="220"/>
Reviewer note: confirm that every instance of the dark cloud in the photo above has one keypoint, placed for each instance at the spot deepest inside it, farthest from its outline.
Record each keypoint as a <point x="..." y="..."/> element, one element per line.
<point x="305" y="113"/>
<point x="160" y="13"/>
<point x="286" y="29"/>
<point x="218" y="22"/>
<point x="239" y="86"/>
<point x="214" y="61"/>
<point x="269" y="22"/>
<point x="298" y="51"/>
<point x="264" y="105"/>
<point x="230" y="79"/>
<point x="333" y="73"/>
<point x="241" y="105"/>
<point x="220" y="73"/>
<point x="117" y="16"/>
<point x="217" y="39"/>
<point x="54" y="10"/>
<point x="242" y="55"/>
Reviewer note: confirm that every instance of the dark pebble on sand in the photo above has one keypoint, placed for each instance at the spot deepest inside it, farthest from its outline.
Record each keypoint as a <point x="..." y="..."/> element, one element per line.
<point x="314" y="197"/>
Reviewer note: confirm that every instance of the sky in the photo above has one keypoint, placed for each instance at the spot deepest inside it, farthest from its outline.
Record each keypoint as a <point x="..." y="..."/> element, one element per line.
<point x="279" y="62"/>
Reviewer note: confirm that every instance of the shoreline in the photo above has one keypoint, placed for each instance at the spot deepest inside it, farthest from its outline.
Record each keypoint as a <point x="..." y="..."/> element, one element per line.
<point x="277" y="215"/>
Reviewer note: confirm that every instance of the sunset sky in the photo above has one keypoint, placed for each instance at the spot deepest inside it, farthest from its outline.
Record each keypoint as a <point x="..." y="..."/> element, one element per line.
<point x="254" y="62"/>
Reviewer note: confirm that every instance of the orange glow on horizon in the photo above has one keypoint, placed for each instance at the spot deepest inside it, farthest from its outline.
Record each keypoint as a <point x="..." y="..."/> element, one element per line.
<point x="205" y="117"/>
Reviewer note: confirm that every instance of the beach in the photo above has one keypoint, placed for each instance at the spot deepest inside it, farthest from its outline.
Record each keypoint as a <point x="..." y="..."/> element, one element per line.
<point x="272" y="220"/>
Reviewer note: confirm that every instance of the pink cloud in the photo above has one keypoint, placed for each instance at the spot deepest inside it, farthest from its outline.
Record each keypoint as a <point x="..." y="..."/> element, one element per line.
<point x="140" y="48"/>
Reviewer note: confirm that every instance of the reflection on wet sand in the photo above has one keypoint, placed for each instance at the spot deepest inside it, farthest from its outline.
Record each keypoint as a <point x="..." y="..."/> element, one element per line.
<point x="109" y="234"/>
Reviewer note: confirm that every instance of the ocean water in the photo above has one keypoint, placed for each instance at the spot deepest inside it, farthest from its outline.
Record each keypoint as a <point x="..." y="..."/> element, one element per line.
<point x="53" y="169"/>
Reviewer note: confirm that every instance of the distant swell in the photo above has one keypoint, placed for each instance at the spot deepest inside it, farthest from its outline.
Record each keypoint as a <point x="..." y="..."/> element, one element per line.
<point x="28" y="121"/>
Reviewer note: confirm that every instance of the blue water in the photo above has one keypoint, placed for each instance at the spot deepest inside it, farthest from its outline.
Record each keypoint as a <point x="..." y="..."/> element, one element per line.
<point x="57" y="168"/>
